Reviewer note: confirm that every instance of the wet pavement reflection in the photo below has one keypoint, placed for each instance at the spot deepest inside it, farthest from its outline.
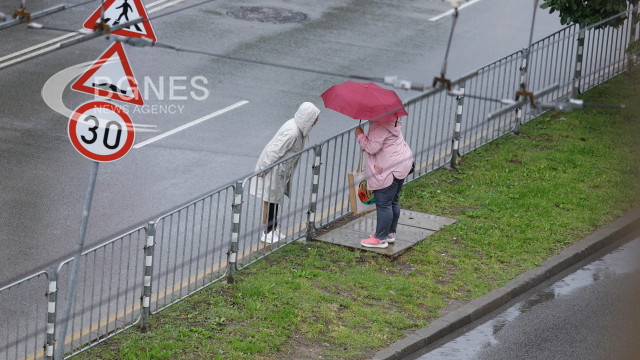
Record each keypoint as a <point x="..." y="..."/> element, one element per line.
<point x="586" y="288"/>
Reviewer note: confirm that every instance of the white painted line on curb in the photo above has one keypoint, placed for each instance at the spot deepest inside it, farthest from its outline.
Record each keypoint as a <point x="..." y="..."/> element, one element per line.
<point x="188" y="125"/>
<point x="447" y="13"/>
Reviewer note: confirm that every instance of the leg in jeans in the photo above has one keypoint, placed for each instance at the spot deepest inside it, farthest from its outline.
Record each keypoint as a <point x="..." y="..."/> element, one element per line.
<point x="395" y="206"/>
<point x="384" y="210"/>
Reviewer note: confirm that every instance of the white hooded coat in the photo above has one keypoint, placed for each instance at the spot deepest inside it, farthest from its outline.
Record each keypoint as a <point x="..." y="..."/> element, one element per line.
<point x="289" y="139"/>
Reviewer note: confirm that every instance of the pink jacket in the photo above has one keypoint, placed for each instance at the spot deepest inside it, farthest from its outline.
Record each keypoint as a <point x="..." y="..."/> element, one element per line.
<point x="388" y="155"/>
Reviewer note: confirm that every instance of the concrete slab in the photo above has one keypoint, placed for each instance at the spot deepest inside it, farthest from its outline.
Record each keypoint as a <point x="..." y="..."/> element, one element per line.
<point x="413" y="227"/>
<point x="427" y="221"/>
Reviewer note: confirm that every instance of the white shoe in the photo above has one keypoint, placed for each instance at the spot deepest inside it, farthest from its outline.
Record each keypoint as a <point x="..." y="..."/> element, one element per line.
<point x="268" y="238"/>
<point x="278" y="235"/>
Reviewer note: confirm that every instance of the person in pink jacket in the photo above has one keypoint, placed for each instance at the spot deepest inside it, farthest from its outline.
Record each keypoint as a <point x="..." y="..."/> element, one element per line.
<point x="388" y="162"/>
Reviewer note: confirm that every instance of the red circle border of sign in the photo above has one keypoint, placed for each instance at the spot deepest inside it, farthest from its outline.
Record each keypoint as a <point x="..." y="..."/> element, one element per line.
<point x="93" y="156"/>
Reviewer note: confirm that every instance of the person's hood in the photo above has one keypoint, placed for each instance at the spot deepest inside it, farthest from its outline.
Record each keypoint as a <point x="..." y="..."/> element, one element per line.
<point x="305" y="116"/>
<point x="394" y="127"/>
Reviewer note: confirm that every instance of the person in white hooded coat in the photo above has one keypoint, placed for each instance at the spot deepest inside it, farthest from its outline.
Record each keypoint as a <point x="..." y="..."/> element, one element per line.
<point x="274" y="183"/>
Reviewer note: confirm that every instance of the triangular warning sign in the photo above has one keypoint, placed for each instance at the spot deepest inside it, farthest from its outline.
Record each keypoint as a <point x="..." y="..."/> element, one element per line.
<point x="110" y="76"/>
<point x="121" y="11"/>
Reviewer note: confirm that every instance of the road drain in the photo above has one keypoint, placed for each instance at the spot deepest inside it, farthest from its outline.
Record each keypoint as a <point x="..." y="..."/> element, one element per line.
<point x="271" y="15"/>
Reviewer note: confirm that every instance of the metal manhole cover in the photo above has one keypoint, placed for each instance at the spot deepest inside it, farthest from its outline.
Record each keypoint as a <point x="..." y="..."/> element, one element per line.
<point x="271" y="15"/>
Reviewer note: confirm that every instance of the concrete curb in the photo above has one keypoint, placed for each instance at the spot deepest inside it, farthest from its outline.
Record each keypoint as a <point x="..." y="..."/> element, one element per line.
<point x="482" y="306"/>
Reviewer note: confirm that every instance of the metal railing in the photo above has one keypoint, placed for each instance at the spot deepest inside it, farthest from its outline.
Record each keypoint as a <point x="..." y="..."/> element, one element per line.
<point x="23" y="306"/>
<point x="108" y="290"/>
<point x="150" y="268"/>
<point x="190" y="248"/>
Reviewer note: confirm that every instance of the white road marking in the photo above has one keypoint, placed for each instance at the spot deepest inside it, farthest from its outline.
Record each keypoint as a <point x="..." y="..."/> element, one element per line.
<point x="33" y="54"/>
<point x="188" y="125"/>
<point x="165" y="6"/>
<point x="155" y="3"/>
<point x="36" y="46"/>
<point x="45" y="43"/>
<point x="447" y="13"/>
<point x="139" y="128"/>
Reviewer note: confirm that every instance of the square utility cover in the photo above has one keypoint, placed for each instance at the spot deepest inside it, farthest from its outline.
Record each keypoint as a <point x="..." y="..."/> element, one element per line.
<point x="413" y="227"/>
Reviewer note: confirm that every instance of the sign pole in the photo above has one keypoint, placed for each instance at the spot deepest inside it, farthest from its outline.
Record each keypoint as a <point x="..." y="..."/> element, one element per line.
<point x="76" y="261"/>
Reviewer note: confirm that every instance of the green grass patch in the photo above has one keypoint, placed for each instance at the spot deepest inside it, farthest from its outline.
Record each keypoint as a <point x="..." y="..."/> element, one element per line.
<point x="517" y="201"/>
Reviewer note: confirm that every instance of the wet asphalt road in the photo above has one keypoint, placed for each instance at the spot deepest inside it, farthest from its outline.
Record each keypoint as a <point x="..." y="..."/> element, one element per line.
<point x="589" y="313"/>
<point x="43" y="179"/>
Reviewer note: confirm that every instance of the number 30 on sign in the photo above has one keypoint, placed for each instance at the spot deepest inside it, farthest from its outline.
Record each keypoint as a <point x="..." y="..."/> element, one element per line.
<point x="101" y="131"/>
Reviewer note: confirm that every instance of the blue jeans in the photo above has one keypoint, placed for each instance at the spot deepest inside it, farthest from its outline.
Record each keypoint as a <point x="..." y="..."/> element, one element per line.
<point x="387" y="208"/>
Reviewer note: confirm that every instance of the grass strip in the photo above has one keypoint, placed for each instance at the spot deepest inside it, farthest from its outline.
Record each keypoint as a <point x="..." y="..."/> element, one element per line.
<point x="517" y="201"/>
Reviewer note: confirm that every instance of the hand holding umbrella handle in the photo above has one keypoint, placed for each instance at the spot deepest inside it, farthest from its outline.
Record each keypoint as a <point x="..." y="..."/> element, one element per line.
<point x="359" y="131"/>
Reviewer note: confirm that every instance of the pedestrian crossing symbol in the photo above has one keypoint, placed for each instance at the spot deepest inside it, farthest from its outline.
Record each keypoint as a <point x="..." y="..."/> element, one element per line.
<point x="111" y="77"/>
<point x="121" y="11"/>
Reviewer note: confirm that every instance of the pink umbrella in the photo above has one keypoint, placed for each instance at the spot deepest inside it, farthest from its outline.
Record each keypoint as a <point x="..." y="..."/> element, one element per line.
<point x="364" y="101"/>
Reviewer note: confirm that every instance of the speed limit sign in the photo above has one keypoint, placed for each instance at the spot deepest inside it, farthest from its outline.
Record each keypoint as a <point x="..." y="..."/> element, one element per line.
<point x="101" y="131"/>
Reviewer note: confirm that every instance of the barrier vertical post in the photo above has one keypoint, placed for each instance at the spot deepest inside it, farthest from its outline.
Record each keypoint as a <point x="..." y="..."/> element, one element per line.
<point x="311" y="214"/>
<point x="148" y="274"/>
<point x="52" y="299"/>
<point x="523" y="75"/>
<point x="516" y="127"/>
<point x="634" y="19"/>
<point x="523" y="68"/>
<point x="579" y="57"/>
<point x="456" y="136"/>
<point x="232" y="255"/>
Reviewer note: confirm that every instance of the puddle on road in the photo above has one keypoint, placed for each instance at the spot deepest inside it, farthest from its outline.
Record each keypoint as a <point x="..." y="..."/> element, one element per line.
<point x="624" y="259"/>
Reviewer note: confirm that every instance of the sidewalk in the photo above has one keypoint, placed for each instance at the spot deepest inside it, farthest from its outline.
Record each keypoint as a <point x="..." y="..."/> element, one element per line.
<point x="482" y="306"/>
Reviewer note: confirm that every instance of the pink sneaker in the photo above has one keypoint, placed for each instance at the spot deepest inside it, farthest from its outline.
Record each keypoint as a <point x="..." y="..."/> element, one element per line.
<point x="391" y="238"/>
<point x="373" y="242"/>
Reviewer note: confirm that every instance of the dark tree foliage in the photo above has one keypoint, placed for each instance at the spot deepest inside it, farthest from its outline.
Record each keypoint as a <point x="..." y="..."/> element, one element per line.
<point x="587" y="12"/>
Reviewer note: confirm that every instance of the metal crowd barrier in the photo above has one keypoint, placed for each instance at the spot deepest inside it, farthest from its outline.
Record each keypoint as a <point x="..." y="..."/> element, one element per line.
<point x="190" y="248"/>
<point x="108" y="290"/>
<point x="23" y="316"/>
<point x="150" y="268"/>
